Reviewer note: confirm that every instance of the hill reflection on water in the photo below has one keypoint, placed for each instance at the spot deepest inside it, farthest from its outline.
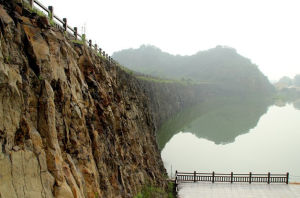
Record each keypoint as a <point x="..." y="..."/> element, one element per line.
<point x="220" y="120"/>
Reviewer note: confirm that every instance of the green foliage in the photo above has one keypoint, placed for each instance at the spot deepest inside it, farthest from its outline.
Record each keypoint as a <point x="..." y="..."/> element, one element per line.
<point x="158" y="80"/>
<point x="126" y="69"/>
<point x="78" y="42"/>
<point x="41" y="77"/>
<point x="33" y="10"/>
<point x="171" y="187"/>
<point x="83" y="38"/>
<point x="153" y="192"/>
<point x="100" y="55"/>
<point x="38" y="12"/>
<point x="52" y="23"/>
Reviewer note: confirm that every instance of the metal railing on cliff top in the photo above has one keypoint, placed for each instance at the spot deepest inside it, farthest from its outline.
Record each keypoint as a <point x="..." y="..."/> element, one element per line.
<point x="63" y="25"/>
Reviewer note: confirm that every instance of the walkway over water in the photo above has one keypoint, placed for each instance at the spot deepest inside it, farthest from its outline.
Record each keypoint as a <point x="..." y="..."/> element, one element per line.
<point x="237" y="190"/>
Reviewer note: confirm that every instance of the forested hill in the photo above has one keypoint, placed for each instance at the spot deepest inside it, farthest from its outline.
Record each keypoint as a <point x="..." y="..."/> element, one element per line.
<point x="220" y="65"/>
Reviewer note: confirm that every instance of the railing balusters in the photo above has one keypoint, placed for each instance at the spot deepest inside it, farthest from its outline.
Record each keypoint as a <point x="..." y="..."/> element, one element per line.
<point x="249" y="178"/>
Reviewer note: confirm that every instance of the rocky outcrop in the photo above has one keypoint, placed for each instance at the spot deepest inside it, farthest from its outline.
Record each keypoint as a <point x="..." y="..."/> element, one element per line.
<point x="71" y="123"/>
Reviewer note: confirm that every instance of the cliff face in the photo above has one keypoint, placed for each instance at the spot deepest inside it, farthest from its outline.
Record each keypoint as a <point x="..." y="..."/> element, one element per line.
<point x="168" y="99"/>
<point x="71" y="123"/>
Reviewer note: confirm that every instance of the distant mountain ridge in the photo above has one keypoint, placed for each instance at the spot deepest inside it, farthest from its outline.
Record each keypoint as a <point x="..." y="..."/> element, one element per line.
<point x="220" y="65"/>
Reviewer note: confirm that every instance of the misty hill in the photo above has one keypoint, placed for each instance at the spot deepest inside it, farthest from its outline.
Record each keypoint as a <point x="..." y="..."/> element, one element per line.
<point x="288" y="89"/>
<point x="220" y="65"/>
<point x="285" y="82"/>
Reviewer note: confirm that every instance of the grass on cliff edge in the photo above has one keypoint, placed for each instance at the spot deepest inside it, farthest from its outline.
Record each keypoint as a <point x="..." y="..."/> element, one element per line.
<point x="144" y="77"/>
<point x="155" y="192"/>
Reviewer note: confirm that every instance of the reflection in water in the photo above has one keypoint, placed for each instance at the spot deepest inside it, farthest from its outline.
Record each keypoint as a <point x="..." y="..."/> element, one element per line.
<point x="272" y="146"/>
<point x="220" y="121"/>
<point x="297" y="104"/>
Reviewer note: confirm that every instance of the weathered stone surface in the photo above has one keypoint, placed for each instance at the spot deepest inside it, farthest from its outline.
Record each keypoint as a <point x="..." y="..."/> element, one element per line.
<point x="4" y="16"/>
<point x="63" y="191"/>
<point x="21" y="176"/>
<point x="71" y="123"/>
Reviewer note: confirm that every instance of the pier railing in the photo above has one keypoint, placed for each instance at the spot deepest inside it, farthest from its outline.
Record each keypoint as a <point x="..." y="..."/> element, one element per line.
<point x="231" y="178"/>
<point x="63" y="25"/>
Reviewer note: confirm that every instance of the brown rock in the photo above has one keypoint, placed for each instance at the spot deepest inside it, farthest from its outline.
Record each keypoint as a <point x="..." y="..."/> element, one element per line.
<point x="39" y="49"/>
<point x="19" y="9"/>
<point x="43" y="22"/>
<point x="5" y="17"/>
<point x="71" y="125"/>
<point x="63" y="191"/>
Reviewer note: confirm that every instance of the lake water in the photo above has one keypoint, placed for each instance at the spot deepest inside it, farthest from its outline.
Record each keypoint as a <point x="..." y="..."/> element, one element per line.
<point x="233" y="136"/>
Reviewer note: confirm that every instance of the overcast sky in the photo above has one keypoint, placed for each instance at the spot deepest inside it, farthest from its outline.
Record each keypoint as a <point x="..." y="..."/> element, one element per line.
<point x="266" y="31"/>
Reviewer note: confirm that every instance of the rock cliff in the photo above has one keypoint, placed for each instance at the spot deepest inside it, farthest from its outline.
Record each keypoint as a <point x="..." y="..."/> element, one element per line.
<point x="71" y="123"/>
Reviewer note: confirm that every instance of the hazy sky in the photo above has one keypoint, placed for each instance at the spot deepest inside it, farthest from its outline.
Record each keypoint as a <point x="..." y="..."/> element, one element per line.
<point x="266" y="31"/>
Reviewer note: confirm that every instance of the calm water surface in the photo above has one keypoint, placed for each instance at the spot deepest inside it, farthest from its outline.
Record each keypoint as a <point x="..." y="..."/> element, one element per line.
<point x="235" y="137"/>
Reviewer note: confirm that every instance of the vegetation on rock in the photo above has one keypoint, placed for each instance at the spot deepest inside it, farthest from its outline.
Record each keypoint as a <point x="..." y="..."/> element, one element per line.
<point x="220" y="65"/>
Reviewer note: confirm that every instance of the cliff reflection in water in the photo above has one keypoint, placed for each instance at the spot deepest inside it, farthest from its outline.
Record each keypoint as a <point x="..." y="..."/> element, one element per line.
<point x="220" y="121"/>
<point x="296" y="104"/>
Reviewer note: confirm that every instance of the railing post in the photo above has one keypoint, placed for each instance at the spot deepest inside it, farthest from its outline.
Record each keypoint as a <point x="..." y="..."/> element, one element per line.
<point x="103" y="53"/>
<point x="213" y="177"/>
<point x="287" y="178"/>
<point x="231" y="179"/>
<point x="96" y="47"/>
<point x="65" y="25"/>
<point x="75" y="32"/>
<point x="100" y="51"/>
<point x="174" y="187"/>
<point x="176" y="182"/>
<point x="194" y="176"/>
<point x="50" y="13"/>
<point x="269" y="175"/>
<point x="90" y="43"/>
<point x="31" y="3"/>
<point x="250" y="178"/>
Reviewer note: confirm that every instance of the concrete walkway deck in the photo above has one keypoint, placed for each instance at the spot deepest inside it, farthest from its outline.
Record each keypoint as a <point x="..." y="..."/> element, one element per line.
<point x="238" y="190"/>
